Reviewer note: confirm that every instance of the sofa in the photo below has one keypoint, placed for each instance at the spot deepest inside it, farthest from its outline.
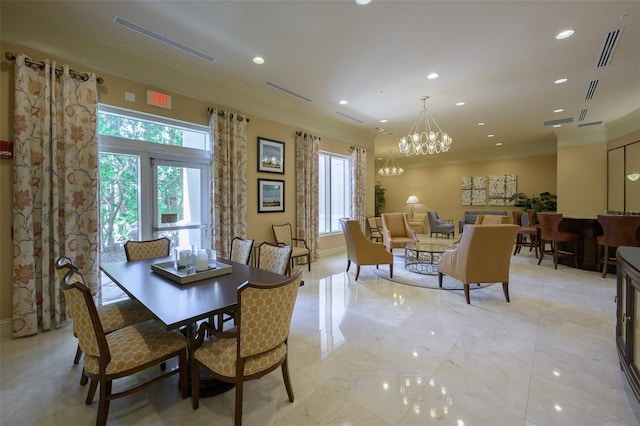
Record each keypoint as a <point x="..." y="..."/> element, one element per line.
<point x="470" y="217"/>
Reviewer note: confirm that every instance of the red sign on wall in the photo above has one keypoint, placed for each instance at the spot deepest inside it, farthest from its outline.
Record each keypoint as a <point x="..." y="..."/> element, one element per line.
<point x="6" y="149"/>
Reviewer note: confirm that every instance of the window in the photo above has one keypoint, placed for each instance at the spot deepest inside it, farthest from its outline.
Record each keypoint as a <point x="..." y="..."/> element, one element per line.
<point x="334" y="192"/>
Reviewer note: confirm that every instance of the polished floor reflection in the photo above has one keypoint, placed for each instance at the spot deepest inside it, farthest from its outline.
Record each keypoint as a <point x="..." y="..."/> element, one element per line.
<point x="376" y="352"/>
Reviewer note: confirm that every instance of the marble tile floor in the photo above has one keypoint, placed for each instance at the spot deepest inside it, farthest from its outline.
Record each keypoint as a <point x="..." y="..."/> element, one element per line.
<point x="375" y="352"/>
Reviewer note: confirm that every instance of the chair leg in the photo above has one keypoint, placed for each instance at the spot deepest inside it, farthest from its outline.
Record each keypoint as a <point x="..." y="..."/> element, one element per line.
<point x="440" y="279"/>
<point x="83" y="378"/>
<point x="238" y="416"/>
<point x="357" y="272"/>
<point x="309" y="261"/>
<point x="182" y="365"/>
<point x="505" y="290"/>
<point x="78" y="355"/>
<point x="391" y="270"/>
<point x="555" y="255"/>
<point x="348" y="265"/>
<point x="466" y="293"/>
<point x="104" y="401"/>
<point x="91" y="392"/>
<point x="605" y="261"/>
<point x="575" y="255"/>
<point x="541" y="252"/>
<point x="195" y="384"/>
<point x="285" y="377"/>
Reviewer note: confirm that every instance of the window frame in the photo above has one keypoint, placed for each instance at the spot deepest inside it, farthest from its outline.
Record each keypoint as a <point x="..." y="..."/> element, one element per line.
<point x="327" y="157"/>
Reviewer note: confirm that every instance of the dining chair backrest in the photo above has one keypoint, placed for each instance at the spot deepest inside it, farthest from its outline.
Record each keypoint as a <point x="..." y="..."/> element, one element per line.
<point x="63" y="266"/>
<point x="265" y="315"/>
<point x="139" y="250"/>
<point x="283" y="234"/>
<point x="620" y="230"/>
<point x="549" y="224"/>
<point x="274" y="258"/>
<point x="241" y="250"/>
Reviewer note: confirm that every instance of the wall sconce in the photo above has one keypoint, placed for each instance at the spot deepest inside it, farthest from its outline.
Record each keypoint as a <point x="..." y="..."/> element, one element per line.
<point x="633" y="176"/>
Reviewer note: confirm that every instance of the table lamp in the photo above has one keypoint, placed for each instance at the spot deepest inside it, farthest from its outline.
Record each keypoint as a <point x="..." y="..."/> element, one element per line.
<point x="412" y="200"/>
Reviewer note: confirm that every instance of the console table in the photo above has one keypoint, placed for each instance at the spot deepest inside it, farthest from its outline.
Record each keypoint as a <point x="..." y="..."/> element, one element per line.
<point x="628" y="314"/>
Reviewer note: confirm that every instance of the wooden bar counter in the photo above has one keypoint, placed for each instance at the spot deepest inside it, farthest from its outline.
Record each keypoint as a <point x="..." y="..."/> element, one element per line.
<point x="588" y="229"/>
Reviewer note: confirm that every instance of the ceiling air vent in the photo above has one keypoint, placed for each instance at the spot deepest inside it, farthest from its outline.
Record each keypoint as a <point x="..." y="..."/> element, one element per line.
<point x="287" y="91"/>
<point x="608" y="46"/>
<point x="342" y="114"/>
<point x="381" y="130"/>
<point x="583" y="114"/>
<point x="591" y="91"/>
<point x="593" y="123"/>
<point x="558" y="121"/>
<point x="137" y="28"/>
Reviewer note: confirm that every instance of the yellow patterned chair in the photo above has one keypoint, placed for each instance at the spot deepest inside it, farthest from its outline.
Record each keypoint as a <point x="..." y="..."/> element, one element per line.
<point x="284" y="237"/>
<point x="274" y="258"/>
<point x="362" y="251"/>
<point x="483" y="256"/>
<point x="113" y="316"/>
<point x="249" y="352"/>
<point x="121" y="353"/>
<point x="139" y="250"/>
<point x="241" y="250"/>
<point x="396" y="232"/>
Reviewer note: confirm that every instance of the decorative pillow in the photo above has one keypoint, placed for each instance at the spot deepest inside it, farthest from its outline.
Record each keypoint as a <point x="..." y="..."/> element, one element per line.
<point x="440" y="221"/>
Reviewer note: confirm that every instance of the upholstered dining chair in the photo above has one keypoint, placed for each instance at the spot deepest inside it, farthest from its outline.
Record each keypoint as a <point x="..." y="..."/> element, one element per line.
<point x="618" y="231"/>
<point x="483" y="256"/>
<point x="551" y="234"/>
<point x="362" y="251"/>
<point x="139" y="250"/>
<point x="121" y="353"/>
<point x="374" y="231"/>
<point x="528" y="232"/>
<point x="250" y="352"/>
<point x="284" y="237"/>
<point x="241" y="250"/>
<point x="396" y="231"/>
<point x="113" y="316"/>
<point x="274" y="258"/>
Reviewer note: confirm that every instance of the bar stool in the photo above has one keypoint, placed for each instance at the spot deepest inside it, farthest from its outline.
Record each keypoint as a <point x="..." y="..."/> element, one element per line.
<point x="618" y="231"/>
<point x="528" y="232"/>
<point x="550" y="234"/>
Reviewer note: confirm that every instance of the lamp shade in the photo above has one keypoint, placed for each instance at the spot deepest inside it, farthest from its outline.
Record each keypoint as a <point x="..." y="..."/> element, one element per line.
<point x="412" y="199"/>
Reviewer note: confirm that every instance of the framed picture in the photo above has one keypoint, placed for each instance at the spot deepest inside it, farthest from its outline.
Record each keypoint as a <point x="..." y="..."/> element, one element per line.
<point x="270" y="195"/>
<point x="270" y="156"/>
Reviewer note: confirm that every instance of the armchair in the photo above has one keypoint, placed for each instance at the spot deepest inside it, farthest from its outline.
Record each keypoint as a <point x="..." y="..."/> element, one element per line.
<point x="483" y="256"/>
<point x="417" y="222"/>
<point x="439" y="226"/>
<point x="362" y="251"/>
<point x="396" y="231"/>
<point x="284" y="237"/>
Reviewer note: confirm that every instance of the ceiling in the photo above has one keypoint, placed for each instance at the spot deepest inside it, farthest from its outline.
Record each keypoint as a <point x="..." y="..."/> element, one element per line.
<point x="501" y="58"/>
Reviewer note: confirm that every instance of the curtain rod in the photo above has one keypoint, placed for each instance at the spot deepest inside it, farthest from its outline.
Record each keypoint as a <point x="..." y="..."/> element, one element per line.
<point x="221" y="114"/>
<point x="301" y="133"/>
<point x="31" y="63"/>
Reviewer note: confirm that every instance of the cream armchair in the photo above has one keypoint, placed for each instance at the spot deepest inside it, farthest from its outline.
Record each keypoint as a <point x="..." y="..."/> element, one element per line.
<point x="396" y="232"/>
<point x="417" y="222"/>
<point x="483" y="256"/>
<point x="362" y="251"/>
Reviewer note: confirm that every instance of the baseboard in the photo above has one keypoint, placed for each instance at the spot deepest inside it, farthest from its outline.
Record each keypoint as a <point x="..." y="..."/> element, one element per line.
<point x="5" y="328"/>
<point x="332" y="251"/>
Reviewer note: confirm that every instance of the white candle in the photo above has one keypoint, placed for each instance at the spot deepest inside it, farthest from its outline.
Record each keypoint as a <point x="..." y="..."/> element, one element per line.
<point x="202" y="261"/>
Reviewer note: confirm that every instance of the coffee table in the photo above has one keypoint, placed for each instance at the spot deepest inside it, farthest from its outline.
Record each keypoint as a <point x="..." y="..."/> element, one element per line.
<point x="422" y="258"/>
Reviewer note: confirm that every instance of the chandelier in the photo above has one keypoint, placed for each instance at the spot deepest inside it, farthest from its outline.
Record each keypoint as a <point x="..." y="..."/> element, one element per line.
<point x="431" y="140"/>
<point x="390" y="168"/>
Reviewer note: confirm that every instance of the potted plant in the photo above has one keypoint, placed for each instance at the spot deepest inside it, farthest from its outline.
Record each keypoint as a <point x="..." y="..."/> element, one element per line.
<point x="544" y="202"/>
<point x="379" y="199"/>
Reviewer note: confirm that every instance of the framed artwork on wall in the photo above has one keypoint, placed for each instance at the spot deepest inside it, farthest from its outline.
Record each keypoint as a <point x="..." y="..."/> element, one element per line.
<point x="270" y="195"/>
<point x="270" y="156"/>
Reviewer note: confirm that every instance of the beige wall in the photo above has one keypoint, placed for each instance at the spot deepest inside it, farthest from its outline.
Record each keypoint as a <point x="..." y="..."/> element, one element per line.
<point x="582" y="180"/>
<point x="438" y="187"/>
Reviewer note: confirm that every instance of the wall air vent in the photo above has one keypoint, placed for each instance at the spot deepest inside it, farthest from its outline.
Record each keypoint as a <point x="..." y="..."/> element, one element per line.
<point x="591" y="90"/>
<point x="583" y="114"/>
<point x="558" y="121"/>
<point x="381" y="130"/>
<point x="342" y="114"/>
<point x="287" y="91"/>
<point x="608" y="46"/>
<point x="137" y="28"/>
<point x="593" y="123"/>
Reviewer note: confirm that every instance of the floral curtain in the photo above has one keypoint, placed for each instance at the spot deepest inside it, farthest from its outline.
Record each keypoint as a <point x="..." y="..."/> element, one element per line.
<point x="358" y="185"/>
<point x="307" y="221"/>
<point x="228" y="214"/>
<point x="55" y="187"/>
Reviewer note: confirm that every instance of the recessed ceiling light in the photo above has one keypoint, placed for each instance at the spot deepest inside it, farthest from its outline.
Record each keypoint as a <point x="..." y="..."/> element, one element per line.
<point x="460" y="104"/>
<point x="558" y="110"/>
<point x="498" y="143"/>
<point x="482" y="123"/>
<point x="564" y="34"/>
<point x="561" y="80"/>
<point x="343" y="102"/>
<point x="557" y="125"/>
<point x="383" y="120"/>
<point x="362" y="2"/>
<point x="491" y="135"/>
<point x="433" y="76"/>
<point x="258" y="60"/>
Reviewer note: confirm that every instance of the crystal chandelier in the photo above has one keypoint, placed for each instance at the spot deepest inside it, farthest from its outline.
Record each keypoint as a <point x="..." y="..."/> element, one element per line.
<point x="431" y="140"/>
<point x="390" y="168"/>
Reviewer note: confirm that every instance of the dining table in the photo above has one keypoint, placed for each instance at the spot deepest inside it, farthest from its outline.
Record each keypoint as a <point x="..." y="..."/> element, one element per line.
<point x="181" y="306"/>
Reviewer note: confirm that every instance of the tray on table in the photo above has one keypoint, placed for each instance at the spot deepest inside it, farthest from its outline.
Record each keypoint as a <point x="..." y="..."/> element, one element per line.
<point x="168" y="270"/>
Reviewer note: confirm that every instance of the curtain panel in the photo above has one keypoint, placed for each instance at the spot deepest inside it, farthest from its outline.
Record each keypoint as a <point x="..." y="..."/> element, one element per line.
<point x="358" y="185"/>
<point x="228" y="164"/>
<point x="307" y="181"/>
<point x="55" y="190"/>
